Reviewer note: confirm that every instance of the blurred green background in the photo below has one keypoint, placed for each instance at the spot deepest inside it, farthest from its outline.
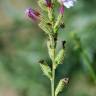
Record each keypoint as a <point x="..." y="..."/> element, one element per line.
<point x="23" y="44"/>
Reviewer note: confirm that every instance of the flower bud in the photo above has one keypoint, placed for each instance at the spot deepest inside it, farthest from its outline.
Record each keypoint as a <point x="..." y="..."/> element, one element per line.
<point x="32" y="14"/>
<point x="61" y="9"/>
<point x="61" y="85"/>
<point x="48" y="3"/>
<point x="49" y="9"/>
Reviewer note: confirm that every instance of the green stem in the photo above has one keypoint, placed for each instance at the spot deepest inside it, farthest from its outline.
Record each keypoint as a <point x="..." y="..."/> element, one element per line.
<point x="52" y="83"/>
<point x="51" y="17"/>
<point x="53" y="76"/>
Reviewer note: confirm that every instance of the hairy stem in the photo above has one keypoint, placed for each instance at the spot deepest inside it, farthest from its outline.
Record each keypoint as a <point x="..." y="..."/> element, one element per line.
<point x="53" y="45"/>
<point x="52" y="83"/>
<point x="53" y="75"/>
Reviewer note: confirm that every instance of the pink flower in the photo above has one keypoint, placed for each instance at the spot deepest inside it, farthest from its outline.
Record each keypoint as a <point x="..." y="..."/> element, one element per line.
<point x="67" y="3"/>
<point x="32" y="13"/>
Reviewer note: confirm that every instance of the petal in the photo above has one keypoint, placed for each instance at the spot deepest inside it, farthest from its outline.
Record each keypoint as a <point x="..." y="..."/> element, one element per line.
<point x="69" y="4"/>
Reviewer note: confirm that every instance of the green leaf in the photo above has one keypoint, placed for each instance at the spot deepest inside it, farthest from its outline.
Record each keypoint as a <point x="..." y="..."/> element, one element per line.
<point x="61" y="85"/>
<point x="60" y="57"/>
<point x="46" y="69"/>
<point x="42" y="4"/>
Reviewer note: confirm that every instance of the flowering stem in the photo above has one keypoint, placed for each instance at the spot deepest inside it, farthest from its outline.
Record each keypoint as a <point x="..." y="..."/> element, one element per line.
<point x="53" y="44"/>
<point x="51" y="27"/>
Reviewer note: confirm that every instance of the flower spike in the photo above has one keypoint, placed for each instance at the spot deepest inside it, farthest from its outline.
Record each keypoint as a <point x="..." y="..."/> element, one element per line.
<point x="51" y="22"/>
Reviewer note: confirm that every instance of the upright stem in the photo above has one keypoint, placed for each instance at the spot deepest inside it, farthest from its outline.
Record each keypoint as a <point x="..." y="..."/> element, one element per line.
<point x="53" y="59"/>
<point x="53" y="75"/>
<point x="52" y="83"/>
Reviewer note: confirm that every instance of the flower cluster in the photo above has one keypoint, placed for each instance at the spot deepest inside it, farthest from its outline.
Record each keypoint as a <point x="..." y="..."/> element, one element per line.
<point x="33" y="14"/>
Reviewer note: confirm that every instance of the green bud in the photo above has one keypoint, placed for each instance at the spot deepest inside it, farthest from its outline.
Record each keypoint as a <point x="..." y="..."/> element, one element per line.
<point x="46" y="69"/>
<point x="61" y="85"/>
<point x="60" y="57"/>
<point x="57" y="24"/>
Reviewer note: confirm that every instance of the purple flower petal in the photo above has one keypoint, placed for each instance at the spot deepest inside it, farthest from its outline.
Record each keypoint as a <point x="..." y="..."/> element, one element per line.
<point x="32" y="13"/>
<point x="61" y="10"/>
